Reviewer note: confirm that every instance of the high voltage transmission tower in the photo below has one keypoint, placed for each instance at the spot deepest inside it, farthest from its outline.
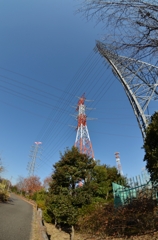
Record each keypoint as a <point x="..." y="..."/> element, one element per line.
<point x="83" y="142"/>
<point x="118" y="163"/>
<point x="139" y="80"/>
<point x="35" y="153"/>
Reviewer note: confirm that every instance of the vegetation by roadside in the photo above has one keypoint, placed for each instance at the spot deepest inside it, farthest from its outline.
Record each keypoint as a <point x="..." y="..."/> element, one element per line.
<point x="4" y="190"/>
<point x="56" y="234"/>
<point x="79" y="196"/>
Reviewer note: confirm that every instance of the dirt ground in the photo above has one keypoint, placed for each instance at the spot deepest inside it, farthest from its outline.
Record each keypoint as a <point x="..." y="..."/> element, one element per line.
<point x="56" y="234"/>
<point x="35" y="235"/>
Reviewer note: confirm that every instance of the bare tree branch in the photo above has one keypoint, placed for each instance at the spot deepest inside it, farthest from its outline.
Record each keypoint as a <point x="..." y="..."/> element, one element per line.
<point x="131" y="26"/>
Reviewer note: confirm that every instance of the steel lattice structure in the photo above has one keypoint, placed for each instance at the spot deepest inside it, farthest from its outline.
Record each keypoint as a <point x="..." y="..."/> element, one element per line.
<point x="34" y="156"/>
<point x="139" y="80"/>
<point x="118" y="163"/>
<point x="83" y="142"/>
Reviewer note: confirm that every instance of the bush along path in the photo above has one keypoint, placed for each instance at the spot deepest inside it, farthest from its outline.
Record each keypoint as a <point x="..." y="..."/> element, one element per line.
<point x="4" y="190"/>
<point x="53" y="232"/>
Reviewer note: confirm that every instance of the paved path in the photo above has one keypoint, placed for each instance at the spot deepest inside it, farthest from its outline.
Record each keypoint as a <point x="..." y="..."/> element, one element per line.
<point x="15" y="219"/>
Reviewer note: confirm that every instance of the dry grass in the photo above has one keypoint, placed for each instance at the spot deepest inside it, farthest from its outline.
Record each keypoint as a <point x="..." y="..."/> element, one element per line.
<point x="35" y="229"/>
<point x="56" y="234"/>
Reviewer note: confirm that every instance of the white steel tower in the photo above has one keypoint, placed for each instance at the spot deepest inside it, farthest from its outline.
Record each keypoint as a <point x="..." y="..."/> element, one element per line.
<point x="118" y="163"/>
<point x="34" y="156"/>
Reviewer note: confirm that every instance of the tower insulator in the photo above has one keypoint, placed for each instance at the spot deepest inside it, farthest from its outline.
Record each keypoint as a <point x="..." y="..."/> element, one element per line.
<point x="83" y="142"/>
<point x="118" y="163"/>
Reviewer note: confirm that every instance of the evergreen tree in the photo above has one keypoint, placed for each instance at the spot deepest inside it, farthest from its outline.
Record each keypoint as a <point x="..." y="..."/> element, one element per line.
<point x="77" y="182"/>
<point x="65" y="194"/>
<point x="151" y="148"/>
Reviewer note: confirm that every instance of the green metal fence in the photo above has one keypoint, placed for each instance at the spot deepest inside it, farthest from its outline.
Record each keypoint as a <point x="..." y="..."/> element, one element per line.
<point x="140" y="186"/>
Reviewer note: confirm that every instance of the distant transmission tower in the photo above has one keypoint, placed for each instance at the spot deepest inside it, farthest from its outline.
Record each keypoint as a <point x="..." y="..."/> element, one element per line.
<point x="34" y="155"/>
<point x="139" y="80"/>
<point x="83" y="142"/>
<point x="118" y="163"/>
<point x="145" y="175"/>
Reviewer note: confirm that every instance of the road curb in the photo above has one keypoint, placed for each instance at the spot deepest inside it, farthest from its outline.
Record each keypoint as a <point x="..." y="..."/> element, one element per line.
<point x="42" y="228"/>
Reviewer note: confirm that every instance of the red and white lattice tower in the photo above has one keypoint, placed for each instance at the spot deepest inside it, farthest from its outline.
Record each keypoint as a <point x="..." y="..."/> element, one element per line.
<point x="83" y="142"/>
<point x="118" y="163"/>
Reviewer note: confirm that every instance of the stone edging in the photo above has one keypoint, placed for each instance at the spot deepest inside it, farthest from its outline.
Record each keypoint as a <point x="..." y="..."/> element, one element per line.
<point x="41" y="226"/>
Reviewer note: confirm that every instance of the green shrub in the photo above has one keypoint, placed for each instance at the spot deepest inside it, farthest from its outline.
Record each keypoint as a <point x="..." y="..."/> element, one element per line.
<point x="4" y="196"/>
<point x="41" y="204"/>
<point x="48" y="216"/>
<point x="40" y="198"/>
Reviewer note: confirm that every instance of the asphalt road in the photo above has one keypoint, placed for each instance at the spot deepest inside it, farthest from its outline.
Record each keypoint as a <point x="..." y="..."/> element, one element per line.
<point x="15" y="219"/>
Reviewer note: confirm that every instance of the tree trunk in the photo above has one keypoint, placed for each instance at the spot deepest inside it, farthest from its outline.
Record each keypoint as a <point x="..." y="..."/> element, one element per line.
<point x="72" y="234"/>
<point x="107" y="195"/>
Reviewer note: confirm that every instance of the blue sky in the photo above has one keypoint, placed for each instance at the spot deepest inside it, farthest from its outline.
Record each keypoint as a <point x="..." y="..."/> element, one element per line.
<point x="47" y="61"/>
